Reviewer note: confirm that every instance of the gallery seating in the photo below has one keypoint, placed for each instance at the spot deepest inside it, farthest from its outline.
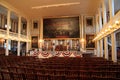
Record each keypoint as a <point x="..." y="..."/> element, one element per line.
<point x="58" y="68"/>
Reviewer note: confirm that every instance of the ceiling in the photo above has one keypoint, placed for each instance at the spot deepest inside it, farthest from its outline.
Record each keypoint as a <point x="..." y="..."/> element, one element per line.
<point x="25" y="6"/>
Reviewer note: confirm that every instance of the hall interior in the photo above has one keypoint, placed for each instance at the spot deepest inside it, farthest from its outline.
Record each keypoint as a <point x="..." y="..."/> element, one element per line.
<point x="82" y="26"/>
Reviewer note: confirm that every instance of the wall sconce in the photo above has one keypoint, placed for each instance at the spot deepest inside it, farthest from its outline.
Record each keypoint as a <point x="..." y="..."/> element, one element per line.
<point x="82" y="40"/>
<point x="41" y="40"/>
<point x="117" y="23"/>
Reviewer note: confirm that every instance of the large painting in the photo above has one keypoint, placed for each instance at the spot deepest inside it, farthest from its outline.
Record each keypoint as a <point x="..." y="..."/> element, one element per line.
<point x="89" y="42"/>
<point x="34" y="41"/>
<point x="67" y="27"/>
<point x="90" y="28"/>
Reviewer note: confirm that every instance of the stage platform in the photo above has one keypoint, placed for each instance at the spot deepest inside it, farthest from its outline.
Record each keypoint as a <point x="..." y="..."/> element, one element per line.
<point x="47" y="54"/>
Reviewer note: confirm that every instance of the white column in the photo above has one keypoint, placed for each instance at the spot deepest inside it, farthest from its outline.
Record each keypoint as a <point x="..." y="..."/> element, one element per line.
<point x="7" y="50"/>
<point x="82" y="33"/>
<point x="18" y="49"/>
<point x="98" y="48"/>
<point x="111" y="8"/>
<point x="104" y="12"/>
<point x="106" y="47"/>
<point x="71" y="44"/>
<point x="27" y="43"/>
<point x="41" y="32"/>
<point x="19" y="32"/>
<point x="97" y="42"/>
<point x="100" y="19"/>
<point x="97" y="26"/>
<point x="7" y="40"/>
<point x="101" y="48"/>
<point x="113" y="37"/>
<point x="114" y="52"/>
<point x="82" y="24"/>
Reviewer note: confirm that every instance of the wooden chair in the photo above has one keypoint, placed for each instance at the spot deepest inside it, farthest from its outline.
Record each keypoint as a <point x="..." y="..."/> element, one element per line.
<point x="57" y="77"/>
<point x="29" y="76"/>
<point x="29" y="70"/>
<point x="12" y="69"/>
<point x="17" y="76"/>
<point x="0" y="75"/>
<point x="39" y="71"/>
<point x="60" y="72"/>
<point x="20" y="69"/>
<point x="42" y="77"/>
<point x="72" y="77"/>
<point x="6" y="75"/>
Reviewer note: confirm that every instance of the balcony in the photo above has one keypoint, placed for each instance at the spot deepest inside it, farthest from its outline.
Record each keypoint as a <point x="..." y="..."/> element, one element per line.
<point x="112" y="26"/>
<point x="13" y="36"/>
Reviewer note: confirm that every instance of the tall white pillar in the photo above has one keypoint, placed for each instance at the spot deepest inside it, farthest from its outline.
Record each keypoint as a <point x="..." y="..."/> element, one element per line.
<point x="27" y="43"/>
<point x="41" y="33"/>
<point x="100" y="27"/>
<point x="97" y="42"/>
<point x="7" y="40"/>
<point x="19" y="32"/>
<point x="7" y="50"/>
<point x="98" y="48"/>
<point x="82" y="24"/>
<point x="18" y="49"/>
<point x="100" y="19"/>
<point x="104" y="12"/>
<point x="82" y="33"/>
<point x="97" y="26"/>
<point x="114" y="52"/>
<point x="111" y="8"/>
<point x="71" y="44"/>
<point x="113" y="37"/>
<point x="106" y="47"/>
<point x="104" y="22"/>
<point x="101" y="48"/>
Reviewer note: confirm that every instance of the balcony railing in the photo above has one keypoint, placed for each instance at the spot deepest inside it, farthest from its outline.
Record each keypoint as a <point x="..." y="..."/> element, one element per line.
<point x="23" y="36"/>
<point x="3" y="33"/>
<point x="112" y="26"/>
<point x="13" y="36"/>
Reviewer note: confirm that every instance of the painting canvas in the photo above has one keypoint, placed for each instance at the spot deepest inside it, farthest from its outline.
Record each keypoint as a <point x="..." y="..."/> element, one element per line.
<point x="67" y="27"/>
<point x="34" y="41"/>
<point x="35" y="24"/>
<point x="89" y="28"/>
<point x="89" y="21"/>
<point x="89" y="42"/>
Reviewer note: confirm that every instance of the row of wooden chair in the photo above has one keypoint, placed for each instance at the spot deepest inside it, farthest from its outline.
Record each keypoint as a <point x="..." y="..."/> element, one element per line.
<point x="58" y="68"/>
<point x="29" y="76"/>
